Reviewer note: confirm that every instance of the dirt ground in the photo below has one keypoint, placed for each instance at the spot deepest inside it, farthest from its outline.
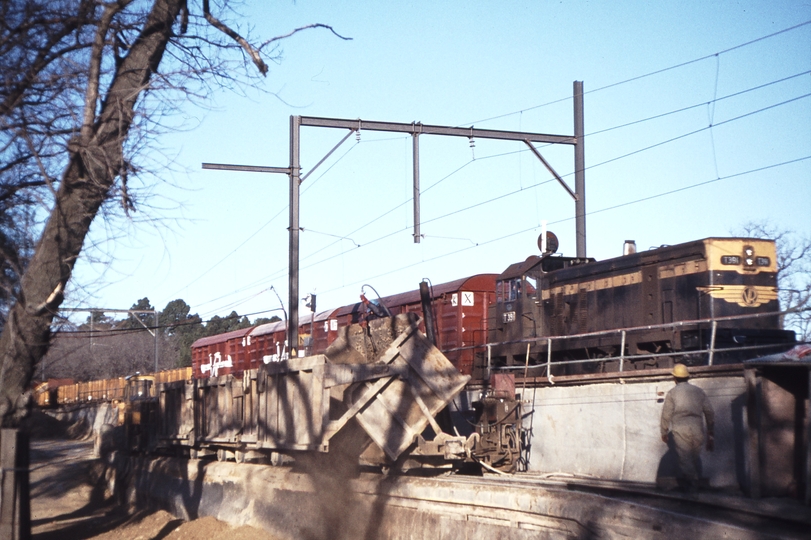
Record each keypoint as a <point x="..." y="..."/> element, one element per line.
<point x="67" y="504"/>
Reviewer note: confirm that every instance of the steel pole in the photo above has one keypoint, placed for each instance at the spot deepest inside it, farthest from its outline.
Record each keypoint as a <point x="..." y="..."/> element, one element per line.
<point x="157" y="328"/>
<point x="295" y="172"/>
<point x="416" y="153"/>
<point x="579" y="170"/>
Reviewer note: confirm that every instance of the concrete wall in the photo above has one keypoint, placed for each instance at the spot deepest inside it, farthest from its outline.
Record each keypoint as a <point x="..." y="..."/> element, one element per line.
<point x="611" y="430"/>
<point x="87" y="420"/>
<point x="292" y="504"/>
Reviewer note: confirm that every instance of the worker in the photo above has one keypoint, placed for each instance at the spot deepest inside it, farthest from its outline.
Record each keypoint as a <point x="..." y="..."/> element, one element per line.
<point x="686" y="407"/>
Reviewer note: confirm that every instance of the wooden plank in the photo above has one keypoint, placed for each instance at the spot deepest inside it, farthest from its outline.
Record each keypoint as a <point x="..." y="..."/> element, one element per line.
<point x="15" y="497"/>
<point x="269" y="408"/>
<point x="808" y="440"/>
<point x="249" y="402"/>
<point x="753" y="455"/>
<point x="189" y="411"/>
<point x="292" y="446"/>
<point x="294" y="364"/>
<point x="381" y="418"/>
<point x="318" y="403"/>
<point x="368" y="395"/>
<point x="301" y="402"/>
<point x="262" y="405"/>
<point x="340" y="374"/>
<point x="421" y="356"/>
<point x="424" y="408"/>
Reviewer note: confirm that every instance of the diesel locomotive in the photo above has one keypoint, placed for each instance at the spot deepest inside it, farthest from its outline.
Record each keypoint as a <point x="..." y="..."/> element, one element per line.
<point x="716" y="294"/>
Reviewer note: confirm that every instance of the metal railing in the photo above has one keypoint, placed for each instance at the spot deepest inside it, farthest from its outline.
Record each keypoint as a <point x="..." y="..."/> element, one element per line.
<point x="709" y="324"/>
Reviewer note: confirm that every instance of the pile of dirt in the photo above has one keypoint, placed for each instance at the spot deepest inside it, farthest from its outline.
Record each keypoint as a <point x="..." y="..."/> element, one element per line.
<point x="163" y="525"/>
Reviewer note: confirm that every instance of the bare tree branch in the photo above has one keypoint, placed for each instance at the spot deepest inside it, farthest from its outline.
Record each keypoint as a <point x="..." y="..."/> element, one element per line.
<point x="10" y="191"/>
<point x="92" y="93"/>
<point x="222" y="27"/>
<point x="297" y="30"/>
<point x="81" y="106"/>
<point x="793" y="273"/>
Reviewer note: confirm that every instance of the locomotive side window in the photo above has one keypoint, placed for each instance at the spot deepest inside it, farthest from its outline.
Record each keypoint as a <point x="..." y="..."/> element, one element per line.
<point x="531" y="286"/>
<point x="508" y="290"/>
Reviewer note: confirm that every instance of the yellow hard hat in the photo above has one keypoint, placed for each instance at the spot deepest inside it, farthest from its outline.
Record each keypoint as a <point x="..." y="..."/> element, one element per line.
<point x="680" y="371"/>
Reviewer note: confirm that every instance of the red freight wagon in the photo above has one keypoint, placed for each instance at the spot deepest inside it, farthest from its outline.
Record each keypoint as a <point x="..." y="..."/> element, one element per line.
<point x="460" y="314"/>
<point x="221" y="354"/>
<point x="267" y="343"/>
<point x="322" y="332"/>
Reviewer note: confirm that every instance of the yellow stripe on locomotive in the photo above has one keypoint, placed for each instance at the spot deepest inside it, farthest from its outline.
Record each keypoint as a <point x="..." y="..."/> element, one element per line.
<point x="743" y="295"/>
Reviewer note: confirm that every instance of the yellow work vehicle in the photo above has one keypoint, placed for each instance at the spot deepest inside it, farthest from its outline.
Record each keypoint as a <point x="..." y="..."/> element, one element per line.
<point x="137" y="411"/>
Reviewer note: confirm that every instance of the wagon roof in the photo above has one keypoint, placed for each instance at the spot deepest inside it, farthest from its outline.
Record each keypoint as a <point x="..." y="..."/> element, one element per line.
<point x="476" y="283"/>
<point x="307" y="318"/>
<point x="219" y="338"/>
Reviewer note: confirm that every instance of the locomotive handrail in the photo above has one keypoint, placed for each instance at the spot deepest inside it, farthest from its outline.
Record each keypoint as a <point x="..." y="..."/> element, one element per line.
<point x="640" y="356"/>
<point x="675" y="324"/>
<point x="710" y="351"/>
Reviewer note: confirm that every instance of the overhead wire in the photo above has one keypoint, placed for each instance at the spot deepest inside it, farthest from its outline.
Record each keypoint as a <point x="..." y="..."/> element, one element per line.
<point x="614" y="207"/>
<point x="537" y="184"/>
<point x="481" y="203"/>
<point x="604" y="162"/>
<point x="645" y="75"/>
<point x="249" y="238"/>
<point x="280" y="272"/>
<point x="676" y="66"/>
<point x="223" y="259"/>
<point x="696" y="105"/>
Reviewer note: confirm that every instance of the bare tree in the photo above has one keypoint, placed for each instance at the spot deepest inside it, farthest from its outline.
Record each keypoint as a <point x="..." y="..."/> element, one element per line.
<point x="793" y="273"/>
<point x="82" y="96"/>
<point x="104" y="352"/>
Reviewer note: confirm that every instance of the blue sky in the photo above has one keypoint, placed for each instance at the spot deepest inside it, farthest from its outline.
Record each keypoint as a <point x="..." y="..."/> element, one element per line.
<point x="738" y="150"/>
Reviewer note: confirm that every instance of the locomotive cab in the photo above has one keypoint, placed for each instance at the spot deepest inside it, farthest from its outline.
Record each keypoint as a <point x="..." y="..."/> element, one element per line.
<point x="518" y="313"/>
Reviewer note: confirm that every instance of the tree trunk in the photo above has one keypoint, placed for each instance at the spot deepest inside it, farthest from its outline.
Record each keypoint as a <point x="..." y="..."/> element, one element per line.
<point x="96" y="161"/>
